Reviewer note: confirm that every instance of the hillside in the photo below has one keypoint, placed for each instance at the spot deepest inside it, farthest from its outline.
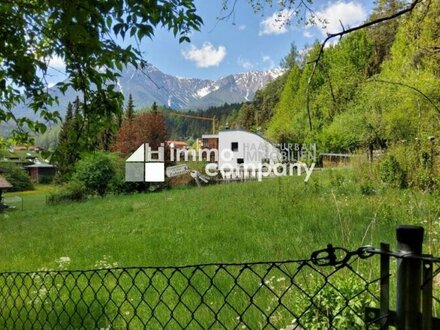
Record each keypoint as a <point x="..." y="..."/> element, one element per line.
<point x="371" y="90"/>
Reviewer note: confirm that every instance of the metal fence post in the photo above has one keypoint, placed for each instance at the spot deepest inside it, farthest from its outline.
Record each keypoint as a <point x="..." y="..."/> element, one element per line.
<point x="384" y="286"/>
<point x="409" y="277"/>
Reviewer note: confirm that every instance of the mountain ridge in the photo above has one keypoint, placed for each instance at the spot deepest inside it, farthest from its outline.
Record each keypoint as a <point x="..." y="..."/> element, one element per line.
<point x="152" y="85"/>
<point x="183" y="93"/>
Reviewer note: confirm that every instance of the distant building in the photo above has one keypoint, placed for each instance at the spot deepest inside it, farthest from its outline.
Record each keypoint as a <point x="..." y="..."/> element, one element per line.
<point x="177" y="144"/>
<point x="210" y="142"/>
<point x="334" y="160"/>
<point x="40" y="172"/>
<point x="30" y="159"/>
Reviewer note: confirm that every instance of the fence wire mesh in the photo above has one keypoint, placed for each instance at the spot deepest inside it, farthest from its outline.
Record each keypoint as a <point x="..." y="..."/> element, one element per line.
<point x="323" y="292"/>
<point x="281" y="295"/>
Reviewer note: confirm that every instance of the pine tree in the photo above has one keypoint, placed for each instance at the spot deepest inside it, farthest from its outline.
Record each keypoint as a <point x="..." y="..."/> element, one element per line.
<point x="106" y="138"/>
<point x="154" y="107"/>
<point x="291" y="59"/>
<point x="129" y="112"/>
<point x="247" y="115"/>
<point x="66" y="126"/>
<point x="382" y="35"/>
<point x="77" y="116"/>
<point x="67" y="153"/>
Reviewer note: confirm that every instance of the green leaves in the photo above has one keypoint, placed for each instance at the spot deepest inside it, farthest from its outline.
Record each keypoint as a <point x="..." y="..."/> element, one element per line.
<point x="184" y="39"/>
<point x="82" y="33"/>
<point x="351" y="109"/>
<point x="144" y="31"/>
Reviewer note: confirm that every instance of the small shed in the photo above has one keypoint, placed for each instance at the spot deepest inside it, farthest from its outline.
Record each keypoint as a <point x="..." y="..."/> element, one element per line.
<point x="335" y="159"/>
<point x="40" y="172"/>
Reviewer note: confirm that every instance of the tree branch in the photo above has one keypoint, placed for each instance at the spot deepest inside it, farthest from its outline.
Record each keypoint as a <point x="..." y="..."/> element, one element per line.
<point x="344" y="31"/>
<point x="426" y="97"/>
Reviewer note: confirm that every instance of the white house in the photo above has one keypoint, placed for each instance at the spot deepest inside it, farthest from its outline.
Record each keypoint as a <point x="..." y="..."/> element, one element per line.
<point x="238" y="149"/>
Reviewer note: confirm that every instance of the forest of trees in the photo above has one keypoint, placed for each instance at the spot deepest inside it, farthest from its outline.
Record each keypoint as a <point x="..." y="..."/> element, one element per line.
<point x="373" y="88"/>
<point x="188" y="128"/>
<point x="178" y="128"/>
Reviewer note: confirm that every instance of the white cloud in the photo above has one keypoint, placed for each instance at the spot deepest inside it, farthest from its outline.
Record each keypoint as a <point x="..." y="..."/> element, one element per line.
<point x="56" y="62"/>
<point x="307" y="34"/>
<point x="242" y="27"/>
<point x="205" y="56"/>
<point x="349" y="13"/>
<point x="277" y="23"/>
<point x="246" y="64"/>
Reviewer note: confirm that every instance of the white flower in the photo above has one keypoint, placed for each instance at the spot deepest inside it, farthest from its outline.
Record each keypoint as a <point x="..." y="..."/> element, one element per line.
<point x="63" y="262"/>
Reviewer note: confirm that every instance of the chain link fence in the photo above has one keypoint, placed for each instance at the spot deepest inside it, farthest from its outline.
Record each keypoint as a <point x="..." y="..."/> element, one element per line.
<point x="333" y="289"/>
<point x="281" y="295"/>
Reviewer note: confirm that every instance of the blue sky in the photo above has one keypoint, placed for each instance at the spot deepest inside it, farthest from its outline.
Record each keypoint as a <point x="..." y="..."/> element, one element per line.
<point x="246" y="41"/>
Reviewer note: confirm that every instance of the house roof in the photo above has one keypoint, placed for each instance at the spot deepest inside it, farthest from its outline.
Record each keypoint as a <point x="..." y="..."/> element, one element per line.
<point x="246" y="131"/>
<point x="40" y="165"/>
<point x="210" y="136"/>
<point x="4" y="183"/>
<point x="178" y="144"/>
<point x="22" y="155"/>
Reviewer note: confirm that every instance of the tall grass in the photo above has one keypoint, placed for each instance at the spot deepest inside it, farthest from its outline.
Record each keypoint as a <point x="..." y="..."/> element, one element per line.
<point x="277" y="219"/>
<point x="281" y="218"/>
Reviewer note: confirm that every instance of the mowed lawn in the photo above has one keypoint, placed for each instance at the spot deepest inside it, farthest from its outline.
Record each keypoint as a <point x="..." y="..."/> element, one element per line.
<point x="277" y="219"/>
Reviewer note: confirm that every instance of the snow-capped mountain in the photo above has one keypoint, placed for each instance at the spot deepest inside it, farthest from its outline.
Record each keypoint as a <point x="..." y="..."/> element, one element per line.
<point x="152" y="85"/>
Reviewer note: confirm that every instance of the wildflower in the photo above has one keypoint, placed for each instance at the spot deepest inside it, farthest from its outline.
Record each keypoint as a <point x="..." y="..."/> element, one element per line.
<point x="63" y="262"/>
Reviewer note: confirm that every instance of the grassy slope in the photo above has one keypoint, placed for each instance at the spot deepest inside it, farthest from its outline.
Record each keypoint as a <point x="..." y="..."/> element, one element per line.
<point x="254" y="221"/>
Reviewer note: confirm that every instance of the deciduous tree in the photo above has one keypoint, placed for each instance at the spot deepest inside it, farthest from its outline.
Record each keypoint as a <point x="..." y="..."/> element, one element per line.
<point x="82" y="34"/>
<point x="146" y="127"/>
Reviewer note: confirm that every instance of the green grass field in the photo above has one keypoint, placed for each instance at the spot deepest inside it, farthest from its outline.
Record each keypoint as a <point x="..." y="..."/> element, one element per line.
<point x="280" y="218"/>
<point x="277" y="219"/>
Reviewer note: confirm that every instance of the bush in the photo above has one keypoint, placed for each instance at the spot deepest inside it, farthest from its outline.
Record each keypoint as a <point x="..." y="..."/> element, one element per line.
<point x="18" y="178"/>
<point x="97" y="172"/>
<point x="123" y="187"/>
<point x="403" y="165"/>
<point x="331" y="300"/>
<point x="120" y="186"/>
<point x="71" y="192"/>
<point x="367" y="188"/>
<point x="45" y="179"/>
<point x="392" y="173"/>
